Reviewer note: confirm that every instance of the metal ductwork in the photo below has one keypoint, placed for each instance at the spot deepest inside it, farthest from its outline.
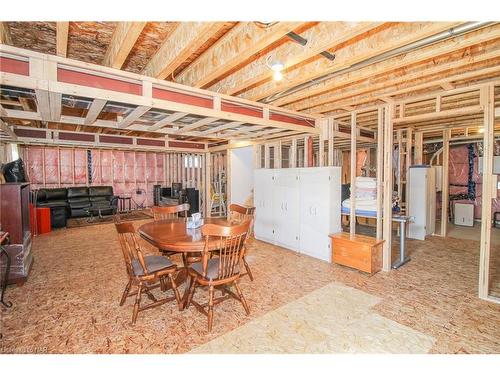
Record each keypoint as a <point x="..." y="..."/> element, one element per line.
<point x="453" y="32"/>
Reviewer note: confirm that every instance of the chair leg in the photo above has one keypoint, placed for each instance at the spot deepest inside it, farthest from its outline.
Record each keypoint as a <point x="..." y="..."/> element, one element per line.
<point x="137" y="303"/>
<point x="210" y="307"/>
<point x="163" y="286"/>
<point x="125" y="293"/>
<point x="192" y="287"/>
<point x="242" y="299"/>
<point x="247" y="267"/>
<point x="176" y="291"/>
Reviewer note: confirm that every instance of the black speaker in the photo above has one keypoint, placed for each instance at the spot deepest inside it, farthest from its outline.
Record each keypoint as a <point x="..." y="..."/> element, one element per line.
<point x="176" y="187"/>
<point x="156" y="195"/>
<point x="193" y="198"/>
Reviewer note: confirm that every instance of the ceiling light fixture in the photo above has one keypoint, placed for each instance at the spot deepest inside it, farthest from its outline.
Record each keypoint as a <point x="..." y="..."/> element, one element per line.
<point x="277" y="67"/>
<point x="277" y="75"/>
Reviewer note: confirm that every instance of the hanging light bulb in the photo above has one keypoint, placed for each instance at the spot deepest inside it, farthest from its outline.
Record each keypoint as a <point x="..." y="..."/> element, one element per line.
<point x="277" y="75"/>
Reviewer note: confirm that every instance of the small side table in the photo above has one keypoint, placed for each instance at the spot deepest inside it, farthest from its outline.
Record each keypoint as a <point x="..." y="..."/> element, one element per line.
<point x="402" y="220"/>
<point x="495" y="219"/>
<point x="124" y="204"/>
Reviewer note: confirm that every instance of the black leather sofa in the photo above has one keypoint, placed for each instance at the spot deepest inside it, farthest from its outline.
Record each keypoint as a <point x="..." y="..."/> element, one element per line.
<point x="75" y="202"/>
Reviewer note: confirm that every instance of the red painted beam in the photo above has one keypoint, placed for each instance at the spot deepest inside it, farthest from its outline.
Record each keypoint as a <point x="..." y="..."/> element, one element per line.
<point x="150" y="142"/>
<point x="290" y="119"/>
<point x="116" y="140"/>
<point x="80" y="137"/>
<point x="91" y="80"/>
<point x="179" y="97"/>
<point x="14" y="66"/>
<point x="178" y="144"/>
<point x="234" y="108"/>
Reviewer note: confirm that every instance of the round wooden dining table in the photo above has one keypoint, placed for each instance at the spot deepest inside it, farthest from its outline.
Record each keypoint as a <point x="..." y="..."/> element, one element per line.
<point x="172" y="235"/>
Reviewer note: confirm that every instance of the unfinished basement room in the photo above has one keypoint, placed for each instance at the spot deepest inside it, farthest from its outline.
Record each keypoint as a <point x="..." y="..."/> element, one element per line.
<point x="215" y="186"/>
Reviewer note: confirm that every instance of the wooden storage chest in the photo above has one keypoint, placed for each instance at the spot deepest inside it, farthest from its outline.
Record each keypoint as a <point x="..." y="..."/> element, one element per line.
<point x="360" y="252"/>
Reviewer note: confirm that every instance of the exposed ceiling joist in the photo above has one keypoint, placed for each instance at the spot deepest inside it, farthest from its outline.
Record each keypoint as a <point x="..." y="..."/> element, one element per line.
<point x="134" y="115"/>
<point x="62" y="31"/>
<point x="418" y="56"/>
<point x="94" y="111"/>
<point x="169" y="120"/>
<point x="122" y="42"/>
<point x="220" y="128"/>
<point x="5" y="37"/>
<point x="238" y="45"/>
<point x="363" y="87"/>
<point x="196" y="125"/>
<point x="324" y="36"/>
<point x="185" y="40"/>
<point x="387" y="39"/>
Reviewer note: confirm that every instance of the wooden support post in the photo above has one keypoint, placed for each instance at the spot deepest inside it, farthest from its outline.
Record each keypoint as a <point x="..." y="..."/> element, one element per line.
<point x="228" y="175"/>
<point x="278" y="155"/>
<point x="293" y="154"/>
<point x="399" y="135"/>
<point x="380" y="171"/>
<point x="419" y="148"/>
<point x="331" y="141"/>
<point x="208" y="184"/>
<point x="409" y="144"/>
<point x="388" y="186"/>
<point x="445" y="188"/>
<point x="352" y="218"/>
<point x="488" y="103"/>
<point x="266" y="156"/>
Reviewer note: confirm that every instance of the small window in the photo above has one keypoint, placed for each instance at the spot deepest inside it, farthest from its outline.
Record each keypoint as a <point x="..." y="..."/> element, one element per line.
<point x="192" y="161"/>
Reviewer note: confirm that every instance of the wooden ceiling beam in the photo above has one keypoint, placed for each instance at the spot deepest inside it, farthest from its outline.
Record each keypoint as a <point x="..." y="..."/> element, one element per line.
<point x="169" y="120"/>
<point x="385" y="40"/>
<point x="196" y="125"/>
<point x="134" y="115"/>
<point x="220" y="128"/>
<point x="362" y="87"/>
<point x="122" y="42"/>
<point x="238" y="45"/>
<point x="5" y="37"/>
<point x="62" y="31"/>
<point x="422" y="54"/>
<point x="94" y="111"/>
<point x="322" y="37"/>
<point x="187" y="38"/>
<point x="393" y="91"/>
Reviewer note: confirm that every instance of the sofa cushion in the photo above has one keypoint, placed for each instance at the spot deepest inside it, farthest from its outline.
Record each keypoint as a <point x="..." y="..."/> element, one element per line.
<point x="100" y="199"/>
<point x="53" y="204"/>
<point x="55" y="194"/>
<point x="75" y="192"/>
<point x="95" y="191"/>
<point x="79" y="202"/>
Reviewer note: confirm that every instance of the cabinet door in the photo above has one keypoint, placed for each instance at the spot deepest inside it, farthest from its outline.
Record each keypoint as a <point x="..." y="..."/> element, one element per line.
<point x="263" y="200"/>
<point x="286" y="208"/>
<point x="315" y="191"/>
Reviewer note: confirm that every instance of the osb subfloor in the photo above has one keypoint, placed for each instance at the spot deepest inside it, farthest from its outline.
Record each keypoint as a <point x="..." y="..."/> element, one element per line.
<point x="70" y="302"/>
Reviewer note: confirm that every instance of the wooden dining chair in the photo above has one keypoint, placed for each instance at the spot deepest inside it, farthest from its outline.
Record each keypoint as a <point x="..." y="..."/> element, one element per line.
<point x="220" y="271"/>
<point x="239" y="214"/>
<point x="147" y="272"/>
<point x="170" y="212"/>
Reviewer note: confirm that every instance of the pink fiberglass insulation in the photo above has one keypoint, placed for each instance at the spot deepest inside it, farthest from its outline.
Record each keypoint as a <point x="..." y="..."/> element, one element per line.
<point x="96" y="167"/>
<point x="106" y="167"/>
<point x="51" y="166"/>
<point x="459" y="165"/>
<point x="66" y="158"/>
<point x="35" y="164"/>
<point x="118" y="165"/>
<point x="80" y="157"/>
<point x="140" y="167"/>
<point x="150" y="166"/>
<point x="160" y="170"/>
<point x="129" y="171"/>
